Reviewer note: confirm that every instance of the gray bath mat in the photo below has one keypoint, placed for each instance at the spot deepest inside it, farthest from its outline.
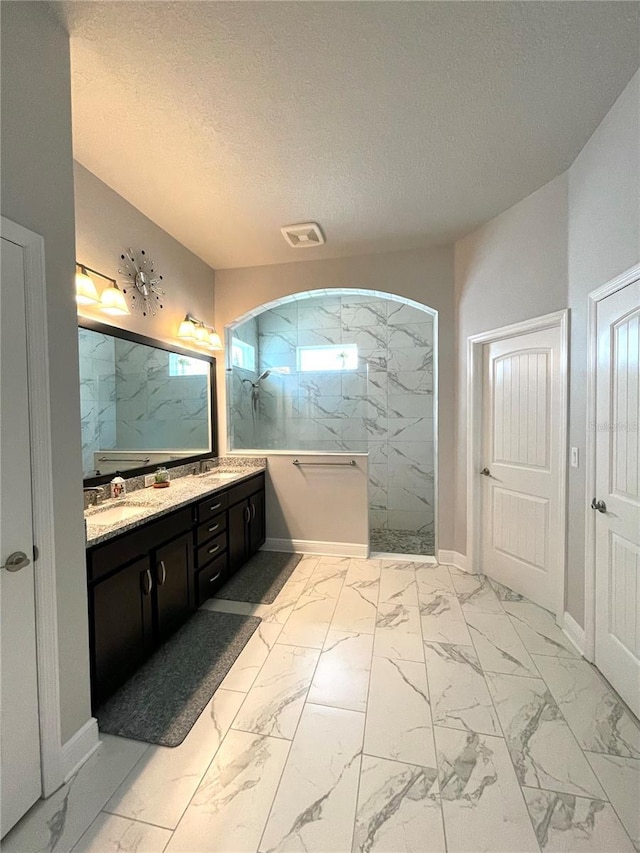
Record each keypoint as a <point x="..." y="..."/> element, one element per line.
<point x="162" y="701"/>
<point x="260" y="580"/>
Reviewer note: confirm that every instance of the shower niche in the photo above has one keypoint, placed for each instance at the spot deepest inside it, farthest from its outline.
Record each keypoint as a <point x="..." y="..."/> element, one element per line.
<point x="345" y="372"/>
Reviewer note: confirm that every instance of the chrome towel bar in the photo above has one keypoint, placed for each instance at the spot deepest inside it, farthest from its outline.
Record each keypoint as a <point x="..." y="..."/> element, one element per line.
<point x="350" y="464"/>
<point x="119" y="459"/>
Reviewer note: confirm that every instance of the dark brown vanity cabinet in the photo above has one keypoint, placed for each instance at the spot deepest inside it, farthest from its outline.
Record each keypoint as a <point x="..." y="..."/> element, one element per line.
<point x="145" y="583"/>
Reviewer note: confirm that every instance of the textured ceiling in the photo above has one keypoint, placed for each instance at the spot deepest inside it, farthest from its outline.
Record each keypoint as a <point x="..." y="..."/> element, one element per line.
<point x="394" y="125"/>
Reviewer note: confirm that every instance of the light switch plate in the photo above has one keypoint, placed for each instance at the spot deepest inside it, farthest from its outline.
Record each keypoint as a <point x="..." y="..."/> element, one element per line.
<point x="149" y="480"/>
<point x="575" y="458"/>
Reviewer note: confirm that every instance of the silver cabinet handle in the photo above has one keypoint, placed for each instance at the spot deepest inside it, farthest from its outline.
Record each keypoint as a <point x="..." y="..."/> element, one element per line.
<point x="211" y="529"/>
<point x="163" y="573"/>
<point x="16" y="561"/>
<point x="599" y="505"/>
<point x="213" y="550"/>
<point x="149" y="582"/>
<point x="216" y="506"/>
<point x="247" y="515"/>
<point x="214" y="578"/>
<point x="253" y="511"/>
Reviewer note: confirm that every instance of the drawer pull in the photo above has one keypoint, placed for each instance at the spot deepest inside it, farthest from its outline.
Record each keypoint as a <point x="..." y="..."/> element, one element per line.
<point x="215" y="506"/>
<point x="163" y="573"/>
<point x="213" y="550"/>
<point x="253" y="511"/>
<point x="214" y="578"/>
<point x="247" y="515"/>
<point x="215" y="527"/>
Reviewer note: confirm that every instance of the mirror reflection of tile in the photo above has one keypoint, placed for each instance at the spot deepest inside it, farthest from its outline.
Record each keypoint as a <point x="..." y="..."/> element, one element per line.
<point x="136" y="398"/>
<point x="381" y="404"/>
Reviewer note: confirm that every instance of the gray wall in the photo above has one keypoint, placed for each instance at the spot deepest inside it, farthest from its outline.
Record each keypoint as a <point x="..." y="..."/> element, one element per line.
<point x="544" y="254"/>
<point x="37" y="192"/>
<point x="425" y="276"/>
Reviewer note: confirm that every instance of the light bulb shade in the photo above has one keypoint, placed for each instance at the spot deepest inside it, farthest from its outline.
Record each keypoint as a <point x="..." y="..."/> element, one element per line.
<point x="86" y="293"/>
<point x="112" y="301"/>
<point x="214" y="340"/>
<point x="201" y="334"/>
<point x="187" y="329"/>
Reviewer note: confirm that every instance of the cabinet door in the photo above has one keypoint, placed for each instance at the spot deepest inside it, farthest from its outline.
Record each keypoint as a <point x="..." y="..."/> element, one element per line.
<point x="237" y="535"/>
<point x="257" y="523"/>
<point x="173" y="565"/>
<point x="122" y="630"/>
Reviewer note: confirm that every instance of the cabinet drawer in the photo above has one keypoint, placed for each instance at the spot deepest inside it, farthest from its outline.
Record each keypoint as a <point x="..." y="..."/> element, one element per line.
<point x="211" y="506"/>
<point x="243" y="490"/>
<point x="211" y="578"/>
<point x="211" y="549"/>
<point x="132" y="545"/>
<point x="213" y="527"/>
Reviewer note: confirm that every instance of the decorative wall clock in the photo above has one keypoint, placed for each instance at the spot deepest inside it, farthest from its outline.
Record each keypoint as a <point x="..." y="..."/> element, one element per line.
<point x="142" y="285"/>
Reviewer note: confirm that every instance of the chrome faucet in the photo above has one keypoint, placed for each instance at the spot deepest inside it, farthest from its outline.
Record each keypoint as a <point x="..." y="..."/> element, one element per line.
<point x="92" y="495"/>
<point x="205" y="464"/>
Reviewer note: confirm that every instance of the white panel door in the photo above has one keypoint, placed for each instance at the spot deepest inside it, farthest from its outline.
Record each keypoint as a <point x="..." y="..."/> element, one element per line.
<point x="20" y="780"/>
<point x="617" y="648"/>
<point x="521" y="513"/>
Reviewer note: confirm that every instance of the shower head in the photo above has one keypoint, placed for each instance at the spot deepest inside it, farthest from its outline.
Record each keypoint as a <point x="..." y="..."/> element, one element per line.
<point x="263" y="375"/>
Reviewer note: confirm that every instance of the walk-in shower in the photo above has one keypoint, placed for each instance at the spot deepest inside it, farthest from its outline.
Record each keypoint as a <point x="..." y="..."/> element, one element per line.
<point x="345" y="372"/>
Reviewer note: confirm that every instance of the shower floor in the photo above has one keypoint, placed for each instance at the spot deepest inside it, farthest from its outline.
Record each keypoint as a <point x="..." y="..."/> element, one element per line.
<point x="402" y="542"/>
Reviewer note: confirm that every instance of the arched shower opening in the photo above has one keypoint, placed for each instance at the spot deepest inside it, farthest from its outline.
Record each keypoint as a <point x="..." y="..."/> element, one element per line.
<point x="345" y="370"/>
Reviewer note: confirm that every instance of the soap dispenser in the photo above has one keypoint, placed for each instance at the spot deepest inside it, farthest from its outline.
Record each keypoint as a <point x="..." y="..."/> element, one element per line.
<point x="118" y="487"/>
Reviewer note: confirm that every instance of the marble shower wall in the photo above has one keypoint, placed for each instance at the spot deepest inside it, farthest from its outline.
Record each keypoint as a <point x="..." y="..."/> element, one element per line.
<point x="154" y="410"/>
<point x="242" y="428"/>
<point x="97" y="395"/>
<point x="385" y="407"/>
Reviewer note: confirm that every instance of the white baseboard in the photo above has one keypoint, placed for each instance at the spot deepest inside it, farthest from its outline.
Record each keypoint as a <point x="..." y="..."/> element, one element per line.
<point x="308" y="546"/>
<point x="453" y="558"/>
<point x="573" y="631"/>
<point x="403" y="558"/>
<point x="79" y="748"/>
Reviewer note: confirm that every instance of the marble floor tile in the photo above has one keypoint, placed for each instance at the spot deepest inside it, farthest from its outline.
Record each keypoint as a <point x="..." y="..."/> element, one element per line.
<point x="597" y="717"/>
<point x="309" y="621"/>
<point x="398" y="808"/>
<point x="160" y="786"/>
<point x="327" y="580"/>
<point x="538" y="630"/>
<point x="112" y="834"/>
<point x="305" y="568"/>
<point x="230" y="808"/>
<point x="341" y="678"/>
<point x="399" y="565"/>
<point x="442" y="619"/>
<point x="58" y="822"/>
<point x="458" y="691"/>
<point x="274" y="703"/>
<point x="481" y="800"/>
<point x="504" y="593"/>
<point x="250" y="660"/>
<point x="498" y="645"/>
<point x="564" y="823"/>
<point x="282" y="607"/>
<point x="543" y="749"/>
<point x="314" y="809"/>
<point x="356" y="608"/>
<point x="398" y="633"/>
<point x="363" y="570"/>
<point x="476" y="593"/>
<point x="432" y="580"/>
<point x="398" y="714"/>
<point x="620" y="778"/>
<point x="398" y="587"/>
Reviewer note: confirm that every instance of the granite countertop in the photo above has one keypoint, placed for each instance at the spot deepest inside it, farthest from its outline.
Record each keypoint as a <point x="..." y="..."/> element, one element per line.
<point x="145" y="505"/>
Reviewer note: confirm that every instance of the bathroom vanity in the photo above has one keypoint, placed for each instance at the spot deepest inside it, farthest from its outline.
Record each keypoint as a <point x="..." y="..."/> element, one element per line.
<point x="155" y="556"/>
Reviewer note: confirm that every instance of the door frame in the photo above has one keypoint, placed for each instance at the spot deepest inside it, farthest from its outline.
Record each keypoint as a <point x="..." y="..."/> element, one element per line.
<point x="475" y="362"/>
<point x="593" y="299"/>
<point x="43" y="498"/>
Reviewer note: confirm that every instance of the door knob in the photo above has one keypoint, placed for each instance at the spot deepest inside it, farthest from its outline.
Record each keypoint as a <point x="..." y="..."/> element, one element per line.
<point x="16" y="561"/>
<point x="485" y="472"/>
<point x="599" y="505"/>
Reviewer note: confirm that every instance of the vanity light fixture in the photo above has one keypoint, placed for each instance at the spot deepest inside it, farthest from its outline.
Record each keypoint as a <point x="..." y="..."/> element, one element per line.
<point x="86" y="293"/>
<point x="199" y="332"/>
<point x="112" y="301"/>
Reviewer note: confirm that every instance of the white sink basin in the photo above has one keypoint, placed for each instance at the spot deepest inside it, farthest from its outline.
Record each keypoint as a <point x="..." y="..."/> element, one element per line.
<point x="225" y="475"/>
<point x="115" y="514"/>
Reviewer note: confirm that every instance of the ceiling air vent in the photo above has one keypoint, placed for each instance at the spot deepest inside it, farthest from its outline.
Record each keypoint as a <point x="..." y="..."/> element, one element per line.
<point x="304" y="235"/>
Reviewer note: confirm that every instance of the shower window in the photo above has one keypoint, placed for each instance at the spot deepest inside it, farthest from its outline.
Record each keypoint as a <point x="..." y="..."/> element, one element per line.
<point x="338" y="357"/>
<point x="243" y="354"/>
